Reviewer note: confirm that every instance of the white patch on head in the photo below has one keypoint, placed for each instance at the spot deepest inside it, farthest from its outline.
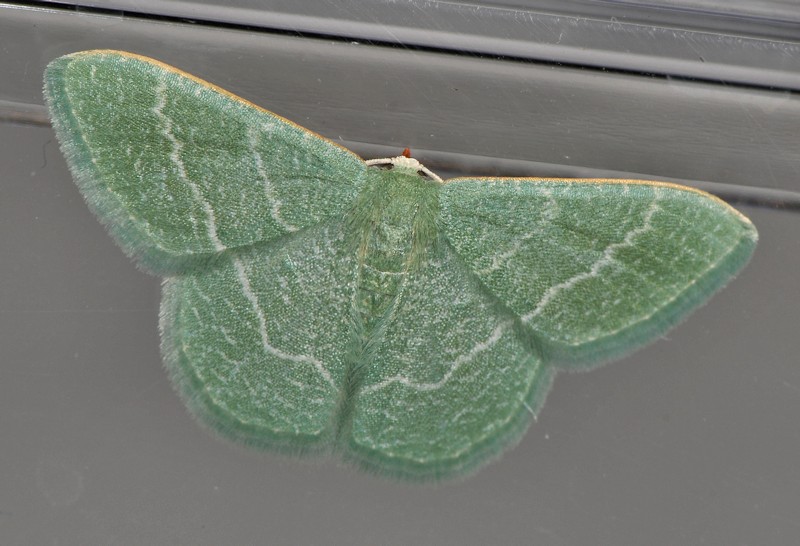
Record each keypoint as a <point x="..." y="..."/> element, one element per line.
<point x="405" y="163"/>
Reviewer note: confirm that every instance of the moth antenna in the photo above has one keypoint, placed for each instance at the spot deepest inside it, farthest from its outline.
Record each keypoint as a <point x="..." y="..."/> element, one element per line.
<point x="407" y="162"/>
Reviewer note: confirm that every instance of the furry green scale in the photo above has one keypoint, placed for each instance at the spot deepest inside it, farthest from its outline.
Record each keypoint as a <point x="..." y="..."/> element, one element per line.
<point x="314" y="302"/>
<point x="392" y="226"/>
<point x="391" y="231"/>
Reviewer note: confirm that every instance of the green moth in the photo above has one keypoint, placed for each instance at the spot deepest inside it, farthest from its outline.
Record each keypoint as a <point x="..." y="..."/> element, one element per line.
<point x="315" y="302"/>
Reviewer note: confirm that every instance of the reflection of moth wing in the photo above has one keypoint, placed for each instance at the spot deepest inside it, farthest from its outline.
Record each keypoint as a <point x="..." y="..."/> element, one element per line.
<point x="177" y="168"/>
<point x="595" y="268"/>
<point x="257" y="345"/>
<point x="454" y="381"/>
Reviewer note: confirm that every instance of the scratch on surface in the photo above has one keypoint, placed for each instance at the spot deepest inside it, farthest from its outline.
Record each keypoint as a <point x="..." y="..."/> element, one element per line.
<point x="791" y="386"/>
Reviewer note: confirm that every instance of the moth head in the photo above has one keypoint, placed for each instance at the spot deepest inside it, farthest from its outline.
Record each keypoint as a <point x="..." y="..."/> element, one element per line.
<point x="405" y="164"/>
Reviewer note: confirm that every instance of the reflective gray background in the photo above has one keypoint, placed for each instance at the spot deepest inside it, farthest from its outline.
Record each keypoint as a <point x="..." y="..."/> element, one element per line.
<point x="693" y="440"/>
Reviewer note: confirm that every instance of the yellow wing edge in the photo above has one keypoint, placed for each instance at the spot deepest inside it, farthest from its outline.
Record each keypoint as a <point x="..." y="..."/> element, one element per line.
<point x="651" y="183"/>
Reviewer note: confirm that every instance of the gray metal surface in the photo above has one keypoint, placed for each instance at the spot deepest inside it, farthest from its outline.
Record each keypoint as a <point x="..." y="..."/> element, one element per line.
<point x="464" y="105"/>
<point x="708" y="40"/>
<point x="692" y="440"/>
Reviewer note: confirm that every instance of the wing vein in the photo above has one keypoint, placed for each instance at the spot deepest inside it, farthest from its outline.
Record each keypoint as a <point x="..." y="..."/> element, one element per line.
<point x="175" y="157"/>
<point x="269" y="190"/>
<point x="478" y="348"/>
<point x="604" y="261"/>
<point x="262" y="328"/>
